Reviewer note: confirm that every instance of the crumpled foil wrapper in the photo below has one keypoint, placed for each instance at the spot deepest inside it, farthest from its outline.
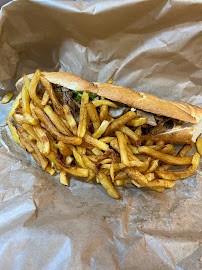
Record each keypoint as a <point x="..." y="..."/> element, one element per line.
<point x="149" y="46"/>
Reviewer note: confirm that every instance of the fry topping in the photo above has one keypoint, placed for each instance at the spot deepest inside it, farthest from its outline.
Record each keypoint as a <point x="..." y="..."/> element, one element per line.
<point x="90" y="142"/>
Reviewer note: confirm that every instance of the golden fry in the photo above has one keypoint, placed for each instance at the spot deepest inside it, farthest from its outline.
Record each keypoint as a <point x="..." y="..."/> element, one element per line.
<point x="48" y="86"/>
<point x="137" y="176"/>
<point x="33" y="88"/>
<point x="123" y="148"/>
<point x="161" y="183"/>
<point x="103" y="113"/>
<point x="165" y="157"/>
<point x="96" y="143"/>
<point x="106" y="183"/>
<point x="70" y="119"/>
<point x="15" y="105"/>
<point x="181" y="174"/>
<point x="106" y="139"/>
<point x="126" y="130"/>
<point x="7" y="98"/>
<point x="64" y="149"/>
<point x="45" y="98"/>
<point x="78" y="158"/>
<point x="43" y="139"/>
<point x="93" y="115"/>
<point x="26" y="107"/>
<point x="50" y="170"/>
<point x="14" y="132"/>
<point x="89" y="164"/>
<point x="53" y="131"/>
<point x="153" y="166"/>
<point x="102" y="128"/>
<point x="117" y="123"/>
<point x="83" y="120"/>
<point x="63" y="178"/>
<point x="30" y="131"/>
<point x="57" y="121"/>
<point x="199" y="145"/>
<point x="122" y="182"/>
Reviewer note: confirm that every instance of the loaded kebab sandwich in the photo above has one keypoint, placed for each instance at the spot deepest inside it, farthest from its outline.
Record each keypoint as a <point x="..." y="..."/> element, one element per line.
<point x="105" y="132"/>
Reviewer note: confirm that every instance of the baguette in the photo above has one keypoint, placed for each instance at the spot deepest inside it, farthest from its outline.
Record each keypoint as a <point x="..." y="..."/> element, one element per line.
<point x="191" y="115"/>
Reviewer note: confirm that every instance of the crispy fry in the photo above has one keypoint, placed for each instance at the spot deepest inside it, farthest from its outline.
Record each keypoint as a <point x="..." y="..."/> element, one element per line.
<point x="69" y="160"/>
<point x="78" y="158"/>
<point x="77" y="171"/>
<point x="70" y="119"/>
<point x="53" y="131"/>
<point x="64" y="149"/>
<point x="123" y="148"/>
<point x="185" y="149"/>
<point x="153" y="166"/>
<point x="96" y="143"/>
<point x="15" y="105"/>
<point x="150" y="176"/>
<point x="30" y="130"/>
<point x="45" y="98"/>
<point x="122" y="182"/>
<point x="33" y="87"/>
<point x="161" y="183"/>
<point x="26" y="81"/>
<point x="14" y="132"/>
<point x="149" y="142"/>
<point x="83" y="120"/>
<point x="103" y="113"/>
<point x="199" y="145"/>
<point x="26" y="107"/>
<point x="97" y="151"/>
<point x="145" y="166"/>
<point x="57" y="121"/>
<point x="63" y="178"/>
<point x="137" y="122"/>
<point x="158" y="189"/>
<point x="137" y="176"/>
<point x="106" y="183"/>
<point x="7" y="98"/>
<point x="117" y="123"/>
<point x="50" y="170"/>
<point x="102" y="128"/>
<point x="101" y="102"/>
<point x="112" y="171"/>
<point x="165" y="157"/>
<point x="110" y="81"/>
<point x="93" y="115"/>
<point x="106" y="139"/>
<point x="43" y="139"/>
<point x="19" y="119"/>
<point x="168" y="149"/>
<point x="121" y="175"/>
<point x="91" y="175"/>
<point x="181" y="174"/>
<point x="126" y="130"/>
<point x="48" y="86"/>
<point x="138" y="132"/>
<point x="89" y="164"/>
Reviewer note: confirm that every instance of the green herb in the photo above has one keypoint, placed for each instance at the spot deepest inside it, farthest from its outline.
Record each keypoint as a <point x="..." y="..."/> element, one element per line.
<point x="76" y="95"/>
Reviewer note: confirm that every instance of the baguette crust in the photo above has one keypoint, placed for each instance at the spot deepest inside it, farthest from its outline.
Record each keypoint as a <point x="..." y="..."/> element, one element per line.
<point x="174" y="109"/>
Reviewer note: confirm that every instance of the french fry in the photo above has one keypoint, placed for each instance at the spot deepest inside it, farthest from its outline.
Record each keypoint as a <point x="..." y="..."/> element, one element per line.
<point x="90" y="176"/>
<point x="103" y="113"/>
<point x="137" y="176"/>
<point x="19" y="119"/>
<point x="57" y="121"/>
<point x="117" y="123"/>
<point x="106" y="139"/>
<point x="33" y="88"/>
<point x="14" y="132"/>
<point x="126" y="130"/>
<point x="181" y="174"/>
<point x="57" y="106"/>
<point x="168" y="149"/>
<point x="199" y="145"/>
<point x="93" y="115"/>
<point x="89" y="164"/>
<point x="26" y="107"/>
<point x="149" y="142"/>
<point x="137" y="122"/>
<point x="153" y="166"/>
<point x="123" y="148"/>
<point x="121" y="176"/>
<point x="43" y="139"/>
<point x="165" y="157"/>
<point x="45" y="98"/>
<point x="110" y="81"/>
<point x="77" y="171"/>
<point x="70" y="119"/>
<point x="150" y="176"/>
<point x="185" y="149"/>
<point x="15" y="105"/>
<point x="53" y="131"/>
<point x="101" y="102"/>
<point x="50" y="170"/>
<point x="63" y="178"/>
<point x="83" y="116"/>
<point x="161" y="183"/>
<point x="96" y="143"/>
<point x="112" y="171"/>
<point x="30" y="130"/>
<point x="7" y="98"/>
<point x="78" y="158"/>
<point x="145" y="166"/>
<point x="106" y="183"/>
<point x="97" y="151"/>
<point x="26" y="81"/>
<point x="138" y="132"/>
<point x="102" y="128"/>
<point x="63" y="148"/>
<point x="69" y="160"/>
<point x="122" y="182"/>
<point x="158" y="189"/>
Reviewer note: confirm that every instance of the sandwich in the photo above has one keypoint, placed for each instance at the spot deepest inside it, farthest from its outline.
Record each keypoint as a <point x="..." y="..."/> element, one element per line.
<point x="103" y="131"/>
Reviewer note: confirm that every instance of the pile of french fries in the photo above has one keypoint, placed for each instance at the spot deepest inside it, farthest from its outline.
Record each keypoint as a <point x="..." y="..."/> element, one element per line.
<point x="97" y="146"/>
